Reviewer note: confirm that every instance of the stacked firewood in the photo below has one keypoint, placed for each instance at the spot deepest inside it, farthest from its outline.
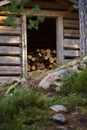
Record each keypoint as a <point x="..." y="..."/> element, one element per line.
<point x="41" y="59"/>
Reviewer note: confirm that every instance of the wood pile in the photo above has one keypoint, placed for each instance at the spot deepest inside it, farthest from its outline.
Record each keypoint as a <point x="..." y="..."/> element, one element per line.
<point x="41" y="59"/>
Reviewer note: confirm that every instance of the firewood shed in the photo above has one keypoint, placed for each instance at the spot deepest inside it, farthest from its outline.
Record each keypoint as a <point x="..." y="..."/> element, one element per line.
<point x="59" y="31"/>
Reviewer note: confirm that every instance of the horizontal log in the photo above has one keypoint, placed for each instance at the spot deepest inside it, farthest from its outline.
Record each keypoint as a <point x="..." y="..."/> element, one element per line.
<point x="10" y="30"/>
<point x="10" y="39"/>
<point x="17" y="20"/>
<point x="53" y="14"/>
<point x="71" y="33"/>
<point x="45" y="5"/>
<point x="9" y="78"/>
<point x="10" y="70"/>
<point x="71" y="43"/>
<point x="4" y="50"/>
<point x="10" y="60"/>
<point x="71" y="53"/>
<point x="71" y="23"/>
<point x="4" y="2"/>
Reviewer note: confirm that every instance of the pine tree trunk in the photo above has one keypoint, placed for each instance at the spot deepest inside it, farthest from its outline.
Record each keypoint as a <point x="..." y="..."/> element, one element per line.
<point x="83" y="25"/>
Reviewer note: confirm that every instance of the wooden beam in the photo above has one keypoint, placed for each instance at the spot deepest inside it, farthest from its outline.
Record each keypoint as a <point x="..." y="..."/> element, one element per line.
<point x="74" y="1"/>
<point x="65" y="3"/>
<point x="45" y="5"/>
<point x="8" y="30"/>
<point x="10" y="70"/>
<point x="10" y="39"/>
<point x="53" y="14"/>
<point x="9" y="78"/>
<point x="70" y="33"/>
<point x="2" y="18"/>
<point x="59" y="38"/>
<point x="71" y="24"/>
<point x="71" y="53"/>
<point x="71" y="43"/>
<point x="24" y="46"/>
<point x="14" y="51"/>
<point x="4" y="2"/>
<point x="10" y="60"/>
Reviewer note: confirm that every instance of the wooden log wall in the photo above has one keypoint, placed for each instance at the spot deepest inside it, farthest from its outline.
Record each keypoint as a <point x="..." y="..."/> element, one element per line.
<point x="10" y="51"/>
<point x="71" y="39"/>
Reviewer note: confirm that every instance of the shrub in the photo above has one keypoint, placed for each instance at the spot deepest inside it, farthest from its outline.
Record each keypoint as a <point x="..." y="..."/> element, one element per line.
<point x="72" y="100"/>
<point x="76" y="83"/>
<point x="23" y="110"/>
<point x="68" y="84"/>
<point x="74" y="90"/>
<point x="80" y="85"/>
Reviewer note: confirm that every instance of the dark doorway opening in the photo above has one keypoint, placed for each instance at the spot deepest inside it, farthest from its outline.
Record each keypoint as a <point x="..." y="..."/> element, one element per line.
<point x="41" y="45"/>
<point x="44" y="37"/>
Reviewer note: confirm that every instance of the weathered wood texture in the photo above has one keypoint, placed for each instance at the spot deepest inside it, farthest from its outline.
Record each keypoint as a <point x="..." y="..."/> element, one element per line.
<point x="17" y="19"/>
<point x="4" y="50"/>
<point x="10" y="70"/>
<point x="13" y="47"/>
<point x="10" y="40"/>
<point x="10" y="51"/>
<point x="70" y="33"/>
<point x="9" y="60"/>
<point x="69" y="23"/>
<point x="71" y="43"/>
<point x="8" y="78"/>
<point x="53" y="13"/>
<point x="10" y="30"/>
<point x="24" y="45"/>
<point x="83" y="25"/>
<point x="59" y="38"/>
<point x="4" y="2"/>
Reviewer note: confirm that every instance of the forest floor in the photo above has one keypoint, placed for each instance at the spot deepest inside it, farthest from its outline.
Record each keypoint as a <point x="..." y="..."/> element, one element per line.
<point x="77" y="118"/>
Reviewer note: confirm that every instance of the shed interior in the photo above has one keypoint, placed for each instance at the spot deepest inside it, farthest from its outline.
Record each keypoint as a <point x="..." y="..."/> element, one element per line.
<point x="44" y="37"/>
<point x="41" y="43"/>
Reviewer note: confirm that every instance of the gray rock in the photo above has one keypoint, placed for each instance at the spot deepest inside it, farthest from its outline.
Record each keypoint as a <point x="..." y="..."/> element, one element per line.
<point x="56" y="76"/>
<point x="60" y="118"/>
<point x="53" y="78"/>
<point x="58" y="108"/>
<point x="62" y="128"/>
<point x="82" y="66"/>
<point x="84" y="59"/>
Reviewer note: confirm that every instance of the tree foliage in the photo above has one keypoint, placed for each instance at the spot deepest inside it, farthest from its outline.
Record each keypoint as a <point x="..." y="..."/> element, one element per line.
<point x="16" y="7"/>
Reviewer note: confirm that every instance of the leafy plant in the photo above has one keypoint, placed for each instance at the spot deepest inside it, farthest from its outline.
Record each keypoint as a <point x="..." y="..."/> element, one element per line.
<point x="23" y="110"/>
<point x="74" y="90"/>
<point x="72" y="100"/>
<point x="68" y="84"/>
<point x="15" y="8"/>
<point x="80" y="85"/>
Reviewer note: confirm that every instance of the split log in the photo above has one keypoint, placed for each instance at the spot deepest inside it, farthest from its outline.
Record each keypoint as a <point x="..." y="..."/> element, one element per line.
<point x="41" y="59"/>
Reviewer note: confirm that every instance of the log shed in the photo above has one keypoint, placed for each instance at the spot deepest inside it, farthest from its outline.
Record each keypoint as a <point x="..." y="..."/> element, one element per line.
<point x="61" y="24"/>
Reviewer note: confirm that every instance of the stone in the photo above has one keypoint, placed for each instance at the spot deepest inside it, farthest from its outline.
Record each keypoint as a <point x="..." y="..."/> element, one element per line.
<point x="52" y="78"/>
<point x="55" y="77"/>
<point x="82" y="66"/>
<point x="84" y="59"/>
<point x="62" y="128"/>
<point x="59" y="118"/>
<point x="58" y="108"/>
